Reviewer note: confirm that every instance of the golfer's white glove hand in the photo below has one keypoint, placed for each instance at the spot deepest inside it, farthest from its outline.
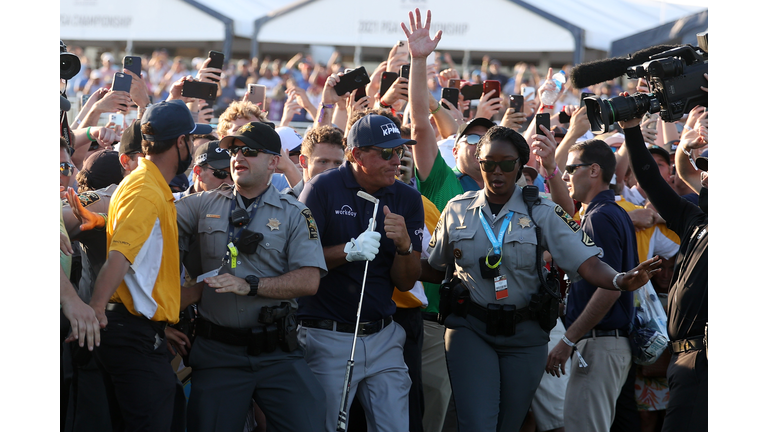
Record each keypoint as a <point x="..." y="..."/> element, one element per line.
<point x="365" y="246"/>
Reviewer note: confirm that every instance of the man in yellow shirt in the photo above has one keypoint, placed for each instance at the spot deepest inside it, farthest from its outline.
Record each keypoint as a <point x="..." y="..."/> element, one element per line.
<point x="137" y="291"/>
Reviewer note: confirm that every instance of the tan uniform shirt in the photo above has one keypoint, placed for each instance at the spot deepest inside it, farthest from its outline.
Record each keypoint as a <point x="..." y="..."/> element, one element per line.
<point x="290" y="242"/>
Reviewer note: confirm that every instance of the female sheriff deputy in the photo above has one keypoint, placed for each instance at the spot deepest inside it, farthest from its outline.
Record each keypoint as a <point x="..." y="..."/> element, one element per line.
<point x="496" y="348"/>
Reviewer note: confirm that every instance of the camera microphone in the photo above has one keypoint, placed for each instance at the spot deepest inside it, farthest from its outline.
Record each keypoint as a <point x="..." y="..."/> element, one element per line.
<point x="595" y="72"/>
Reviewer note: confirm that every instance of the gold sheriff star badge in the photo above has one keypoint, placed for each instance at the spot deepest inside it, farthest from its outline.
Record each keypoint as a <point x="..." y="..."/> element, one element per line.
<point x="273" y="224"/>
<point x="524" y="222"/>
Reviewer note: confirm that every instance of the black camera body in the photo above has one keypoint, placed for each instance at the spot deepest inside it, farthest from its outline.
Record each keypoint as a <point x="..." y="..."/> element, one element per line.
<point x="69" y="64"/>
<point x="675" y="78"/>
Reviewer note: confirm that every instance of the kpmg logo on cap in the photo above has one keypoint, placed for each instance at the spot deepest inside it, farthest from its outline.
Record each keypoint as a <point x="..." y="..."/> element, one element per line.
<point x="346" y="211"/>
<point x="389" y="128"/>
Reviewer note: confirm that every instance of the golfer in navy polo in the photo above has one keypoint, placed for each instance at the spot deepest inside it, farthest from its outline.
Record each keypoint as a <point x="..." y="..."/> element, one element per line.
<point x="392" y="246"/>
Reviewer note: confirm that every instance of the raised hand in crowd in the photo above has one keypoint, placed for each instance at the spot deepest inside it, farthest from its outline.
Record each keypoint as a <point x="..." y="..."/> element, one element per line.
<point x="692" y="143"/>
<point x="139" y="92"/>
<point x="208" y="74"/>
<point x="648" y="127"/>
<point x="204" y="113"/>
<point x="290" y="109"/>
<point x="406" y="166"/>
<point x="302" y="99"/>
<point x="578" y="126"/>
<point x="489" y="105"/>
<point x="454" y="112"/>
<point x="543" y="148"/>
<point x="446" y="75"/>
<point x="373" y="87"/>
<point x="513" y="120"/>
<point x="397" y="92"/>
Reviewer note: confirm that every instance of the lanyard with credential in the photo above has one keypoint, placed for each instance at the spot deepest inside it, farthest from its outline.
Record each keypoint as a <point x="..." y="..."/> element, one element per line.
<point x="496" y="242"/>
<point x="233" y="238"/>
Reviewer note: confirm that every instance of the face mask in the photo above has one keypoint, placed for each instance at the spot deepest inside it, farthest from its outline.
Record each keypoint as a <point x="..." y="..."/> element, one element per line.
<point x="184" y="164"/>
<point x="703" y="199"/>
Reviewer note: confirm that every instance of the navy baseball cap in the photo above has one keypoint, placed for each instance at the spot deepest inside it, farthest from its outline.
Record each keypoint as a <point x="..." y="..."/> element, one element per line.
<point x="376" y="130"/>
<point x="171" y="119"/>
<point x="702" y="162"/>
<point x="210" y="153"/>
<point x="256" y="135"/>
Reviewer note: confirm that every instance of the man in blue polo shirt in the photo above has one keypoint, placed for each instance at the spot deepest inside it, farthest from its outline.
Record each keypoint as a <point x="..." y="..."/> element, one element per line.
<point x="327" y="319"/>
<point x="597" y="320"/>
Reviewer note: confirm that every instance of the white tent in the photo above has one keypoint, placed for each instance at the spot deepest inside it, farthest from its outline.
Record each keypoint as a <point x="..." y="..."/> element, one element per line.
<point x="543" y="26"/>
<point x="569" y="31"/>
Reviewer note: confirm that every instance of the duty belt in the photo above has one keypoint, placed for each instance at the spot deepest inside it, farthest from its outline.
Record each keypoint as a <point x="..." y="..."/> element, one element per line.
<point x="364" y="329"/>
<point x="499" y="319"/>
<point x="685" y="345"/>
<point x="258" y="339"/>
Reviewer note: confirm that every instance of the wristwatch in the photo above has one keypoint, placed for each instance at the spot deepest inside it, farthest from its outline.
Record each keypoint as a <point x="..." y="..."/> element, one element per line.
<point x="410" y="249"/>
<point x="254" y="282"/>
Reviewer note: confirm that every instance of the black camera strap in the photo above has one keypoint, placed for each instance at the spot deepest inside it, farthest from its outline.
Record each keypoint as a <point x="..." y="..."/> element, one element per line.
<point x="531" y="197"/>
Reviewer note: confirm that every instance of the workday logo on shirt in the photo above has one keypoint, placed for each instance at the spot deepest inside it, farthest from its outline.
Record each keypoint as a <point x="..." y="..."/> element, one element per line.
<point x="346" y="211"/>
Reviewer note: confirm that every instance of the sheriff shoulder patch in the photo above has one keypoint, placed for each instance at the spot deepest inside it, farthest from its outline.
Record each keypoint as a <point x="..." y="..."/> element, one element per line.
<point x="88" y="198"/>
<point x="311" y="225"/>
<point x="433" y="240"/>
<point x="572" y="224"/>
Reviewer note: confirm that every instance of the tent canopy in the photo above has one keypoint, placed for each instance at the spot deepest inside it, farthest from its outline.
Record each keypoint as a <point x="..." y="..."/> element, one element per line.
<point x="539" y="26"/>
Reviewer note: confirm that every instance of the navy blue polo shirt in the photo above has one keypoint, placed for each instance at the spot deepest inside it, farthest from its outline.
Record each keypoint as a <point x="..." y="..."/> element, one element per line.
<point x="342" y="215"/>
<point x="611" y="229"/>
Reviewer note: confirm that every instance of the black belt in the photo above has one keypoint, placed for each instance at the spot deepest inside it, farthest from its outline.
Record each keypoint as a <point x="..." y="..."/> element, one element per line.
<point x="429" y="316"/>
<point x="605" y="333"/>
<point x="257" y="339"/>
<point x="120" y="308"/>
<point x="685" y="345"/>
<point x="481" y="313"/>
<point x="364" y="329"/>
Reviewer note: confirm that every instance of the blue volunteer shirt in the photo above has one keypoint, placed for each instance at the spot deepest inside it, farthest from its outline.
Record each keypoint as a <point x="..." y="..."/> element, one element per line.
<point x="340" y="216"/>
<point x="610" y="227"/>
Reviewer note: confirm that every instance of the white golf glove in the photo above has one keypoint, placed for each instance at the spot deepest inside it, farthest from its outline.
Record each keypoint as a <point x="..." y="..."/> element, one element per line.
<point x="365" y="246"/>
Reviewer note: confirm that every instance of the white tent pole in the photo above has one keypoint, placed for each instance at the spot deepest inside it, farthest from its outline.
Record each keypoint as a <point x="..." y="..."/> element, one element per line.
<point x="358" y="55"/>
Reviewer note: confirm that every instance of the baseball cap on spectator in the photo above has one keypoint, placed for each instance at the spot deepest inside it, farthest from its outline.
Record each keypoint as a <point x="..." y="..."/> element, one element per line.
<point x="702" y="162"/>
<point x="673" y="145"/>
<point x="531" y="171"/>
<point x="654" y="149"/>
<point x="256" y="135"/>
<point x="210" y="153"/>
<point x="376" y="130"/>
<point x="108" y="57"/>
<point x="614" y="141"/>
<point x="289" y="139"/>
<point x="130" y="142"/>
<point x="171" y="119"/>
<point x="101" y="169"/>
<point x="179" y="183"/>
<point x="477" y="121"/>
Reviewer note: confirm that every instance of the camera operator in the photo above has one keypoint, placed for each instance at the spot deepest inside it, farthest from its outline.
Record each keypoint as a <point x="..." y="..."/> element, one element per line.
<point x="687" y="372"/>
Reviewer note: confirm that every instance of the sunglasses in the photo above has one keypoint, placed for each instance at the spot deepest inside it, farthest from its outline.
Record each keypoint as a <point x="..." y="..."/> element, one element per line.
<point x="66" y="169"/>
<point x="505" y="165"/>
<point x="570" y="169"/>
<point x="386" y="153"/>
<point x="247" y="151"/>
<point x="472" y="139"/>
<point x="220" y="174"/>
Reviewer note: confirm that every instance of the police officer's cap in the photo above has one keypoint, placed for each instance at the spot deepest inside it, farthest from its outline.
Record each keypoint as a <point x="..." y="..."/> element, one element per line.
<point x="256" y="135"/>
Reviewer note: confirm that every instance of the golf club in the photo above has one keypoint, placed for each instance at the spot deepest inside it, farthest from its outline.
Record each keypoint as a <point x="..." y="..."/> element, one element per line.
<point x="341" y="426"/>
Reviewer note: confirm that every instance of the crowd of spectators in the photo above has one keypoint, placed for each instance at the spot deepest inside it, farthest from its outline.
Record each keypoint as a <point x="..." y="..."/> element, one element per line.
<point x="299" y="158"/>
